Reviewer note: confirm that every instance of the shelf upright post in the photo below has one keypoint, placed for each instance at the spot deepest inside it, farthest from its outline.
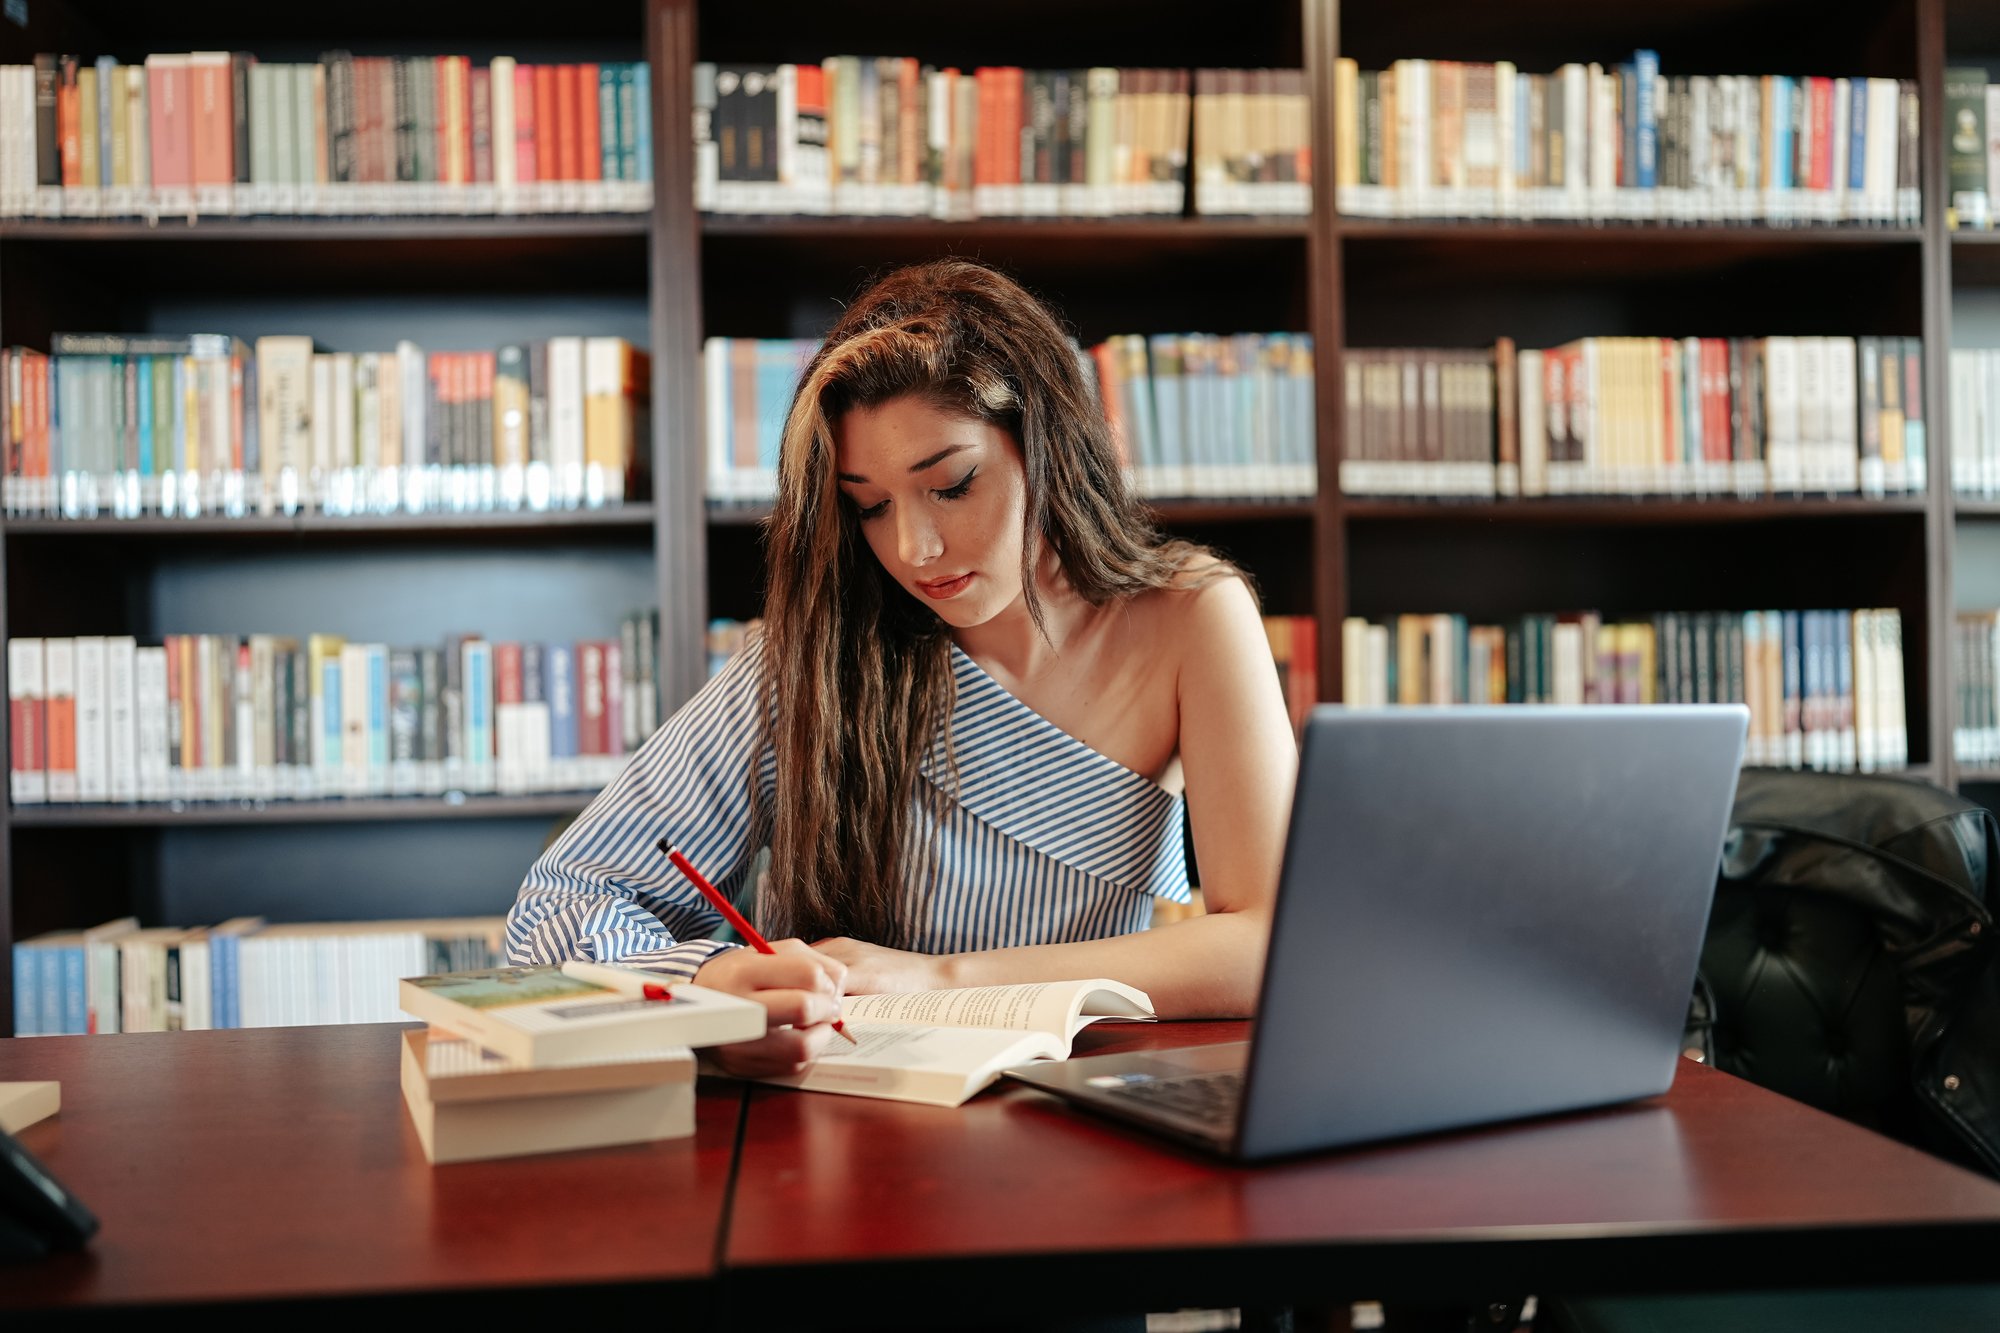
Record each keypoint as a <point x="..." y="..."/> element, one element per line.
<point x="680" y="521"/>
<point x="1320" y="23"/>
<point x="1940" y="525"/>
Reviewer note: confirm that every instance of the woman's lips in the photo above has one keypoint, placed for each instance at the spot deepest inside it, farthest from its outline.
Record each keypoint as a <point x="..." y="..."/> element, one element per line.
<point x="942" y="589"/>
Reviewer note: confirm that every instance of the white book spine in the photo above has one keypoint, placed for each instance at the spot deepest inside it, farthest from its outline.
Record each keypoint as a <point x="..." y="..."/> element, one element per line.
<point x="150" y="691"/>
<point x="566" y="388"/>
<point x="500" y="71"/>
<point x="93" y="753"/>
<point x="354" y="719"/>
<point x="121" y="716"/>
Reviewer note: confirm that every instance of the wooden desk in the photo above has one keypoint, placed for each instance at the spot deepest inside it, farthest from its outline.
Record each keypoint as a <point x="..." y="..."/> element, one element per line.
<point x="279" y="1163"/>
<point x="1015" y="1195"/>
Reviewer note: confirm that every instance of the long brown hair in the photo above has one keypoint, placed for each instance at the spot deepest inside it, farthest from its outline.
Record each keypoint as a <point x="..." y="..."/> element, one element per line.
<point x="858" y="681"/>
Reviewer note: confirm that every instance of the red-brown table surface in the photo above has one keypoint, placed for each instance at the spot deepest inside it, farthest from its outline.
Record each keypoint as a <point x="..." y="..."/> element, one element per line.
<point x="280" y="1164"/>
<point x="1717" y="1184"/>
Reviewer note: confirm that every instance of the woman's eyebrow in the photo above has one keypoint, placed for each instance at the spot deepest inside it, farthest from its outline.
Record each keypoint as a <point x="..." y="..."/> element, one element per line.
<point x="932" y="461"/>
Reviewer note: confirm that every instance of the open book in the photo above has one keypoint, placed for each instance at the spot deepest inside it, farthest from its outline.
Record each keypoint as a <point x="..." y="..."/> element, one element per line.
<point x="942" y="1046"/>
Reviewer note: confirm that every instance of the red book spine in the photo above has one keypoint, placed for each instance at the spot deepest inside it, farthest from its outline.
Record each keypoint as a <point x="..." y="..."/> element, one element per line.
<point x="506" y="673"/>
<point x="525" y="163"/>
<point x="567" y="128"/>
<point x="589" y="127"/>
<point x="548" y="125"/>
<point x="69" y="137"/>
<point x="1011" y="125"/>
<point x="1715" y="431"/>
<point x="1822" y="113"/>
<point x="23" y="731"/>
<point x="60" y="721"/>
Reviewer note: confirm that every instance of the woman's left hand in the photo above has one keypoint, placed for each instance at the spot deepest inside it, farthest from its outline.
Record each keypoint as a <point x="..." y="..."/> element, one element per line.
<point x="874" y="970"/>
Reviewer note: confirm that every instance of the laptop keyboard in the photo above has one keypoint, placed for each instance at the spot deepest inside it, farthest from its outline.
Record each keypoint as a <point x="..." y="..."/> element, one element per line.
<point x="1208" y="1098"/>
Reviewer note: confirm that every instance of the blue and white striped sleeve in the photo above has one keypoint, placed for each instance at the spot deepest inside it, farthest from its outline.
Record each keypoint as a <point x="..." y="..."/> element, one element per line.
<point x="603" y="892"/>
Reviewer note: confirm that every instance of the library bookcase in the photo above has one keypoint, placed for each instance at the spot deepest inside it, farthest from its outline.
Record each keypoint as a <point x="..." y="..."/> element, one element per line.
<point x="672" y="277"/>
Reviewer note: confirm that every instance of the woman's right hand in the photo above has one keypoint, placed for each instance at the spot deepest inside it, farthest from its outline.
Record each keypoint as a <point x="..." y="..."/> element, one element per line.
<point x="801" y="989"/>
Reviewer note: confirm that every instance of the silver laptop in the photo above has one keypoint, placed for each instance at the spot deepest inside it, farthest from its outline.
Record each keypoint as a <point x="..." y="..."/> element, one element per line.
<point x="1485" y="913"/>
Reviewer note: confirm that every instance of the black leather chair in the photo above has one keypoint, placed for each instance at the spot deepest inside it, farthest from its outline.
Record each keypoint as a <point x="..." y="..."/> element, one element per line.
<point x="1850" y="963"/>
<point x="1849" y="954"/>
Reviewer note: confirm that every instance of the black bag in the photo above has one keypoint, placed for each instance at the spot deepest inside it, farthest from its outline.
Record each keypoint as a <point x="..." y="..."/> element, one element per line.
<point x="1850" y="961"/>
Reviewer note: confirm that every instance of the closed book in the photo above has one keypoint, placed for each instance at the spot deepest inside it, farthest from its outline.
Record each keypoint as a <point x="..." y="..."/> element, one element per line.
<point x="544" y="1015"/>
<point x="465" y="1111"/>
<point x="22" y="1104"/>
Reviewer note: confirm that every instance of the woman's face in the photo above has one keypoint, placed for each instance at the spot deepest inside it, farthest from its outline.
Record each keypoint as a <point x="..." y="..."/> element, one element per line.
<point x="941" y="499"/>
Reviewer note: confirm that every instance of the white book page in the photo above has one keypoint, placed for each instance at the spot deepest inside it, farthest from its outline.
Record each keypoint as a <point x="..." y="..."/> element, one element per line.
<point x="1060" y="1008"/>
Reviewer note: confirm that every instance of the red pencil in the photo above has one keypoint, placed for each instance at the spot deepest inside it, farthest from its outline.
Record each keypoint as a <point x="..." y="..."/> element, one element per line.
<point x="731" y="915"/>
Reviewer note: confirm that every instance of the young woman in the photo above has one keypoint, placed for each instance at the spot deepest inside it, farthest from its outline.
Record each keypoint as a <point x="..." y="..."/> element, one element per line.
<point x="983" y="686"/>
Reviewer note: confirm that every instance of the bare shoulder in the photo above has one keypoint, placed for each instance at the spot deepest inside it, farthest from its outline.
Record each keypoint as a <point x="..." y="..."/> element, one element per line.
<point x="1208" y="596"/>
<point x="1208" y="611"/>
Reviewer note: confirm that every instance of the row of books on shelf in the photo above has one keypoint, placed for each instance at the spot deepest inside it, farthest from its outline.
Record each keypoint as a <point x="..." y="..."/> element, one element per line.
<point x="243" y="973"/>
<point x="1638" y="416"/>
<point x="1824" y="688"/>
<point x="1193" y="414"/>
<point x="223" y="134"/>
<point x="127" y="426"/>
<point x="1971" y="148"/>
<point x="207" y="717"/>
<point x="1975" y="652"/>
<point x="888" y="135"/>
<point x="1456" y="139"/>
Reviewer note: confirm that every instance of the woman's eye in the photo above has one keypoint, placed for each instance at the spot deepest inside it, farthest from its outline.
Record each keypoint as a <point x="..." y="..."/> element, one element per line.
<point x="872" y="511"/>
<point x="954" y="492"/>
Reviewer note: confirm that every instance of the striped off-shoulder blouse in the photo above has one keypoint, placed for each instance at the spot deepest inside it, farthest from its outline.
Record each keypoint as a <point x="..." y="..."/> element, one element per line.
<point x="1045" y="839"/>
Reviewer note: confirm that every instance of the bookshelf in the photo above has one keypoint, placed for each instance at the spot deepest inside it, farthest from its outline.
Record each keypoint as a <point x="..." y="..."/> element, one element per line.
<point x="674" y="277"/>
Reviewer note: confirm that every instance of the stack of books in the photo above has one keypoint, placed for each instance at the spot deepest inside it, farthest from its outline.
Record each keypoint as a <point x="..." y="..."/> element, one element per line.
<point x="526" y="1060"/>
